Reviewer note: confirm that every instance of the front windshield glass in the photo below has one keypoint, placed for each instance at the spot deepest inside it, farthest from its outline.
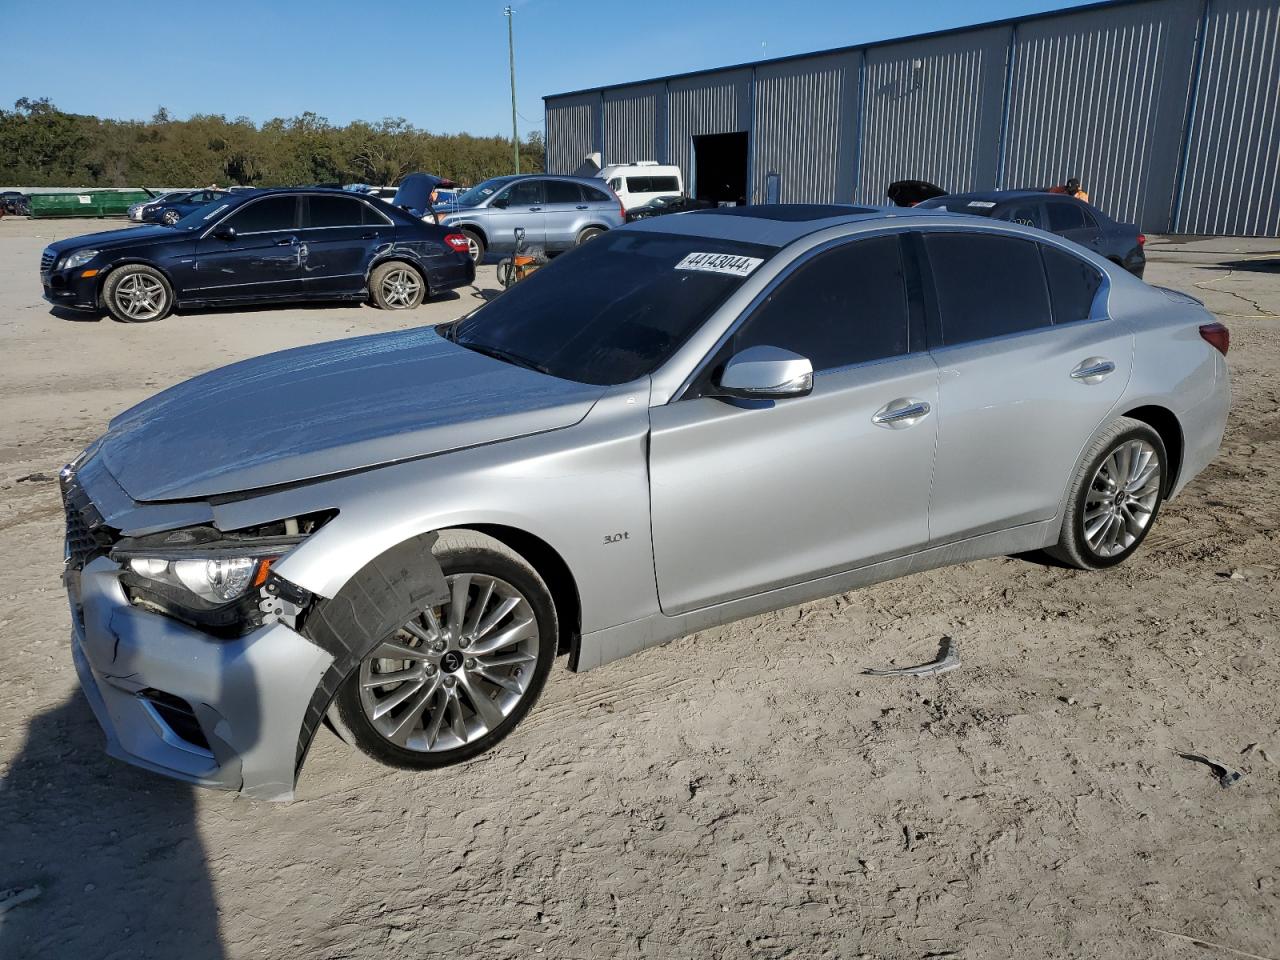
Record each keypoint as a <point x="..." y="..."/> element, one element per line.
<point x="201" y="216"/>
<point x="480" y="192"/>
<point x="612" y="310"/>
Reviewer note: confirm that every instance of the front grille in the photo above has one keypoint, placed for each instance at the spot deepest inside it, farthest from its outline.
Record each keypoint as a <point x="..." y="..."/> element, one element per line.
<point x="81" y="545"/>
<point x="46" y="264"/>
<point x="88" y="537"/>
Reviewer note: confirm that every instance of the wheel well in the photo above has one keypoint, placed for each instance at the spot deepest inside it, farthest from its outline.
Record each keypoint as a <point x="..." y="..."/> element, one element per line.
<point x="553" y="570"/>
<point x="1164" y="422"/>
<point x="106" y="275"/>
<point x="472" y="228"/>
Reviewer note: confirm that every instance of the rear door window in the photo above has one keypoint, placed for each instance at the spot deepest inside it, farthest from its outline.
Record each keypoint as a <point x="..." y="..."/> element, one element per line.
<point x="847" y="305"/>
<point x="986" y="286"/>
<point x="562" y="191"/>
<point x="334" y="212"/>
<point x="1073" y="285"/>
<point x="1065" y="216"/>
<point x="265" y="215"/>
<point x="1027" y="214"/>
<point x="594" y="195"/>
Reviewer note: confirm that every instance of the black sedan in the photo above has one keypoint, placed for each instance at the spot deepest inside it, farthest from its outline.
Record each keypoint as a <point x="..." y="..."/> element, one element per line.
<point x="659" y="206"/>
<point x="270" y="245"/>
<point x="1121" y="243"/>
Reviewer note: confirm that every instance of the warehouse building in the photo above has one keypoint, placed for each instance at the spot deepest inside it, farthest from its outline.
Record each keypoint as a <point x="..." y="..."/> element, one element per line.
<point x="1168" y="111"/>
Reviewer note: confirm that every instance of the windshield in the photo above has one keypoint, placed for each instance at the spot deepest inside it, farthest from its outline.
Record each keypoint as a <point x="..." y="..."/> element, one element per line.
<point x="200" y="216"/>
<point x="480" y="192"/>
<point x="612" y="310"/>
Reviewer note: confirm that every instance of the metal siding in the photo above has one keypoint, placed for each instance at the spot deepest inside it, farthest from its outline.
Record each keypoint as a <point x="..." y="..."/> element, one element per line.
<point x="634" y="120"/>
<point x="931" y="110"/>
<point x="713" y="103"/>
<point x="1101" y="95"/>
<point x="803" y="128"/>
<point x="1232" y="180"/>
<point x="573" y="131"/>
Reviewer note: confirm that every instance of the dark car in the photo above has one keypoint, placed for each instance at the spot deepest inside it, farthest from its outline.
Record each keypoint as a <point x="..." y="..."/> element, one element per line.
<point x="15" y="203"/>
<point x="1121" y="243"/>
<point x="272" y="245"/>
<point x="172" y="207"/>
<point x="659" y="206"/>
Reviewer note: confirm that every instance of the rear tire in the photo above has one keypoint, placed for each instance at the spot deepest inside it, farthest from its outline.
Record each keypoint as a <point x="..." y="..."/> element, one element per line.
<point x="435" y="707"/>
<point x="1114" y="498"/>
<point x="395" y="285"/>
<point x="589" y="234"/>
<point x="136" y="293"/>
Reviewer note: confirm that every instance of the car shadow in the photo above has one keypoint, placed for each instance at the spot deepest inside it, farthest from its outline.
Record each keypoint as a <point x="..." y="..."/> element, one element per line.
<point x="100" y="859"/>
<point x="77" y="316"/>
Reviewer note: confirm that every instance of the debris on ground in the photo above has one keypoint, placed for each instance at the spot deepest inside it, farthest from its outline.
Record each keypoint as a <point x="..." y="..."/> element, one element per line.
<point x="948" y="659"/>
<point x="1226" y="776"/>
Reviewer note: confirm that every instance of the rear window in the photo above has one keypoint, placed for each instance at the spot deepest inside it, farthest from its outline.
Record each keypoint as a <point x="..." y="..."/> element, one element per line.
<point x="612" y="310"/>
<point x="562" y="191"/>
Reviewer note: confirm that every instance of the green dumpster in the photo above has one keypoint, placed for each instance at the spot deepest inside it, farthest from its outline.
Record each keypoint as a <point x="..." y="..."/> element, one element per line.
<point x="88" y="203"/>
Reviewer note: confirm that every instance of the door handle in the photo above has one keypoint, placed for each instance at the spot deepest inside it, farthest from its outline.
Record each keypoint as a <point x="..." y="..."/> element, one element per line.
<point x="369" y="236"/>
<point x="286" y="241"/>
<point x="1093" y="370"/>
<point x="900" y="413"/>
<point x="582" y="206"/>
<point x="534" y="209"/>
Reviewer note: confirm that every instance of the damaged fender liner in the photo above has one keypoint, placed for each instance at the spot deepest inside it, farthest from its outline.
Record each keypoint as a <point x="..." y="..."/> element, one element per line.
<point x="356" y="620"/>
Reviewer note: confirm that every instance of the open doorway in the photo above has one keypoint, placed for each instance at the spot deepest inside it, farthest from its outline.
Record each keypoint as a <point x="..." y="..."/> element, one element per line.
<point x="720" y="168"/>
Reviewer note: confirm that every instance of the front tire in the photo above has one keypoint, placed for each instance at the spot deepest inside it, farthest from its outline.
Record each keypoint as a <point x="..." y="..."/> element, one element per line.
<point x="456" y="678"/>
<point x="171" y="217"/>
<point x="396" y="286"/>
<point x="136" y="293"/>
<point x="475" y="246"/>
<point x="1114" y="498"/>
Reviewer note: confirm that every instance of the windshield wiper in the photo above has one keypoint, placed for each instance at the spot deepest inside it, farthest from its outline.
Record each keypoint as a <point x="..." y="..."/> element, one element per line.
<point x="499" y="354"/>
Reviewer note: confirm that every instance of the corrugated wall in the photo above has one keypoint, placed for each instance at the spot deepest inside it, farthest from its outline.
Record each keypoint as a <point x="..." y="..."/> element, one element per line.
<point x="1232" y="179"/>
<point x="573" y="131"/>
<point x="710" y="103"/>
<point x="634" y="123"/>
<point x="804" y="118"/>
<point x="931" y="111"/>
<point x="1102" y="95"/>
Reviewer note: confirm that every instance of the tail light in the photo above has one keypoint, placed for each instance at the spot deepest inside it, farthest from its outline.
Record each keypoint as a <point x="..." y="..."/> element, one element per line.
<point x="458" y="242"/>
<point x="1217" y="336"/>
<point x="1142" y="239"/>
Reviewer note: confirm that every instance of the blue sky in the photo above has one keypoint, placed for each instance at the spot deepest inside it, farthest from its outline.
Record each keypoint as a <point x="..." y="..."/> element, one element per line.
<point x="442" y="66"/>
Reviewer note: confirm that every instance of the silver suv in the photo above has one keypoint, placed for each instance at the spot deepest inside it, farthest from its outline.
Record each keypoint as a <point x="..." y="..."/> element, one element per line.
<point x="557" y="213"/>
<point x="690" y="420"/>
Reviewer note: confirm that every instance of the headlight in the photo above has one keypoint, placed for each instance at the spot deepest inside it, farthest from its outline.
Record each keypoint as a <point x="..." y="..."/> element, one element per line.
<point x="215" y="580"/>
<point x="78" y="259"/>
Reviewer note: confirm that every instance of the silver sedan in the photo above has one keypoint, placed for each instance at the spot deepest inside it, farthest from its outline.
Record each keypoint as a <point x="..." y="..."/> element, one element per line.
<point x="690" y="420"/>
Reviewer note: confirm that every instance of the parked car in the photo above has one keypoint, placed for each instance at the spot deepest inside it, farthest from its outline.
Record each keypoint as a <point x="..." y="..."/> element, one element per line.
<point x="637" y="184"/>
<point x="687" y="421"/>
<point x="14" y="203"/>
<point x="1121" y="243"/>
<point x="660" y="206"/>
<point x="176" y="206"/>
<point x="282" y="245"/>
<point x="134" y="212"/>
<point x="557" y="213"/>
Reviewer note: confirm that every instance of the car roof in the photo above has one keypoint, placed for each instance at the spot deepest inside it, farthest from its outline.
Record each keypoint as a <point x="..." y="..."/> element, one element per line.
<point x="773" y="224"/>
<point x="1003" y="196"/>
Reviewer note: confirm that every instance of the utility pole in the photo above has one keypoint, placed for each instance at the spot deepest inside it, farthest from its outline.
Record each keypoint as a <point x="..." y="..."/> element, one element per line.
<point x="511" y="55"/>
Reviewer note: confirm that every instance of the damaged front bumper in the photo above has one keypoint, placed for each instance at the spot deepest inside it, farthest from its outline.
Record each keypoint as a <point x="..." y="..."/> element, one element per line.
<point x="224" y="713"/>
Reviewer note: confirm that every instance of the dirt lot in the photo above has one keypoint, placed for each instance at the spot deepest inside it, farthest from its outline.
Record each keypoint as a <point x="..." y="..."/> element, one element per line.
<point x="744" y="792"/>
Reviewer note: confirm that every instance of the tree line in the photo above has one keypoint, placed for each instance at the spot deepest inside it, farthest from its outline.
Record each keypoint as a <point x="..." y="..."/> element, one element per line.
<point x="42" y="146"/>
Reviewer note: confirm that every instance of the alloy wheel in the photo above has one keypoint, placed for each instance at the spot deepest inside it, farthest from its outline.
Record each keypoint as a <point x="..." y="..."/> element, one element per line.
<point x="140" y="297"/>
<point x="1122" y="498"/>
<point x="401" y="288"/>
<point x="453" y="673"/>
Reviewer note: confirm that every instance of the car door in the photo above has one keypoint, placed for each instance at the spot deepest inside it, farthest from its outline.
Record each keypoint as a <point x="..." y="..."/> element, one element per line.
<point x="1070" y="219"/>
<point x="520" y="205"/>
<point x="337" y="242"/>
<point x="262" y="260"/>
<point x="1025" y="376"/>
<point x="751" y="495"/>
<point x="564" y="213"/>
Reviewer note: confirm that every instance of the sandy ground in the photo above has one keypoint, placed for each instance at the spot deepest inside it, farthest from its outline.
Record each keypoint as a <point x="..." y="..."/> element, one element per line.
<point x="744" y="792"/>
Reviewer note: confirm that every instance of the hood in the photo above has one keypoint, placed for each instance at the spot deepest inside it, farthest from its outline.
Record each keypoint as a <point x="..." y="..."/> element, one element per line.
<point x="113" y="238"/>
<point x="327" y="409"/>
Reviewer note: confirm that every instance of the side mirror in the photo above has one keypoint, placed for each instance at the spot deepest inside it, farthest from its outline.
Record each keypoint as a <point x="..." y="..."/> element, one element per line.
<point x="765" y="373"/>
<point x="500" y="203"/>
<point x="225" y="232"/>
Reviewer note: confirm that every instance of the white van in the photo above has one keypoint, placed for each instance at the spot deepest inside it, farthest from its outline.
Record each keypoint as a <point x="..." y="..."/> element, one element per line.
<point x="638" y="183"/>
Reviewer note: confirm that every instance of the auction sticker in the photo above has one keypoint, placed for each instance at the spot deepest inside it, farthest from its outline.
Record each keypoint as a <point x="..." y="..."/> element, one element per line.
<point x="733" y="265"/>
<point x="984" y="204"/>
